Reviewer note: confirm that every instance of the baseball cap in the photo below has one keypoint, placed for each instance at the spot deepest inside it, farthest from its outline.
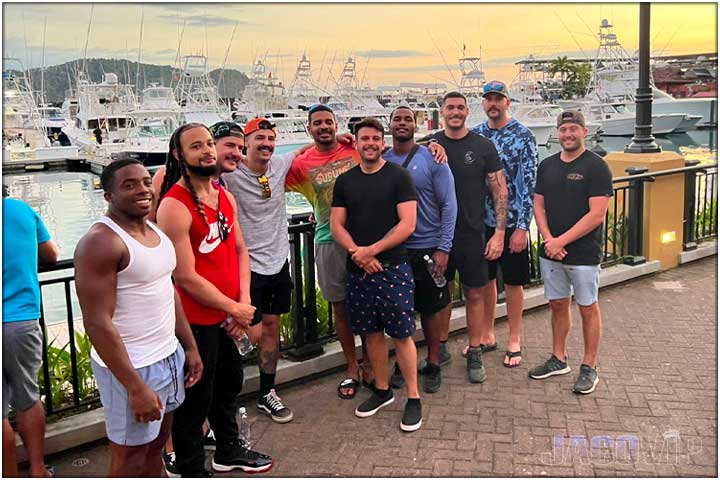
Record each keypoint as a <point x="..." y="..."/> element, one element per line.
<point x="571" y="116"/>
<point x="258" y="124"/>
<point x="495" y="86"/>
<point x="226" y="129"/>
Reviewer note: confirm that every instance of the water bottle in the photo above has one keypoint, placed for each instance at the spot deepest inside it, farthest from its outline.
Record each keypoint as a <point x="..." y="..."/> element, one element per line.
<point x="439" y="280"/>
<point x="243" y="344"/>
<point x="243" y="427"/>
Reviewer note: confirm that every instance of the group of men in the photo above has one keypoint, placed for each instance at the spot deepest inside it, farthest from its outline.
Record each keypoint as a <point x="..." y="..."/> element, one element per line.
<point x="163" y="303"/>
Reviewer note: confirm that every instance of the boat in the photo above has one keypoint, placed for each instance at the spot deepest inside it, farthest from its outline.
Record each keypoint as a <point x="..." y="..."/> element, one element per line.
<point x="264" y="93"/>
<point x="616" y="120"/>
<point x="303" y="92"/>
<point x="197" y="95"/>
<point x="103" y="105"/>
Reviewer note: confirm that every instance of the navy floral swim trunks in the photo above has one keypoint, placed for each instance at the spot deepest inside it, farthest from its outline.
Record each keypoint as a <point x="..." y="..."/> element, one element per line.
<point x="384" y="301"/>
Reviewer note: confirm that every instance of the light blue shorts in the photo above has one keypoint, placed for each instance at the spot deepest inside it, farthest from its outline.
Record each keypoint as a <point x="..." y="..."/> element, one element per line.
<point x="561" y="281"/>
<point x="165" y="377"/>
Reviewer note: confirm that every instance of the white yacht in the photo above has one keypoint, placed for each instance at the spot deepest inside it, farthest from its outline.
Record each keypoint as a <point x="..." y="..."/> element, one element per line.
<point x="541" y="118"/>
<point x="197" y="94"/>
<point x="149" y="137"/>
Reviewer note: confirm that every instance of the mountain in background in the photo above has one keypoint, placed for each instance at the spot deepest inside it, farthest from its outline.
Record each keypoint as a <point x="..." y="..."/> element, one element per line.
<point x="58" y="76"/>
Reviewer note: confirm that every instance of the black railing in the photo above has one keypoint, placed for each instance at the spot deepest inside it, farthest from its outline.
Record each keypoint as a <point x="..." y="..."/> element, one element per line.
<point x="309" y="324"/>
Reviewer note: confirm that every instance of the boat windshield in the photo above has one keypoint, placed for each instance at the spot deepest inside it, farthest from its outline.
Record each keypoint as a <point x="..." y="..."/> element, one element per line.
<point x="155" y="129"/>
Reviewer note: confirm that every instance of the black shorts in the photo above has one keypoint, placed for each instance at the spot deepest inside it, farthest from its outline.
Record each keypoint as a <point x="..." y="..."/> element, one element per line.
<point x="515" y="266"/>
<point x="429" y="298"/>
<point x="270" y="294"/>
<point x="468" y="257"/>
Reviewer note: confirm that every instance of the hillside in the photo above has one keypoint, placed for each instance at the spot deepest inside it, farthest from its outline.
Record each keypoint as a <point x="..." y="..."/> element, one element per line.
<point x="57" y="76"/>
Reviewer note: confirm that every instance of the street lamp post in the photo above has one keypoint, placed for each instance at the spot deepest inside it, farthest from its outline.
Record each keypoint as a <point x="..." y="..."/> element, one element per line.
<point x="643" y="141"/>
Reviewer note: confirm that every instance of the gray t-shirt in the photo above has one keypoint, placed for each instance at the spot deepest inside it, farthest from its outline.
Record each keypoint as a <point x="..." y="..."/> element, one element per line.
<point x="263" y="220"/>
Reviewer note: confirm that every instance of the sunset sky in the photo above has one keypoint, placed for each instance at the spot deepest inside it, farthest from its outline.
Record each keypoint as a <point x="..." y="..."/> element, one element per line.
<point x="392" y="43"/>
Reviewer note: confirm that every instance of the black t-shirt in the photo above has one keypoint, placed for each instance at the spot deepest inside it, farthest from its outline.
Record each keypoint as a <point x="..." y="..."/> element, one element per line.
<point x="471" y="159"/>
<point x="371" y="204"/>
<point x="567" y="188"/>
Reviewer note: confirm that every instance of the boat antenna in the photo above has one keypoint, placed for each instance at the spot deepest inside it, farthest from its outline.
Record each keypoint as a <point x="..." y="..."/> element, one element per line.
<point x="668" y="42"/>
<point x="362" y="81"/>
<point x="139" y="57"/>
<point x="42" y="72"/>
<point x="572" y="36"/>
<point x="227" y="52"/>
<point x="87" y="36"/>
<point x="443" y="59"/>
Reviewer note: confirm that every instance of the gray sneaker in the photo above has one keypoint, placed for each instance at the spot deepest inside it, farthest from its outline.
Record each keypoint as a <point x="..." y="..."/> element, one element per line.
<point x="444" y="357"/>
<point x="396" y="379"/>
<point x="475" y="367"/>
<point x="586" y="381"/>
<point x="433" y="378"/>
<point x="552" y="366"/>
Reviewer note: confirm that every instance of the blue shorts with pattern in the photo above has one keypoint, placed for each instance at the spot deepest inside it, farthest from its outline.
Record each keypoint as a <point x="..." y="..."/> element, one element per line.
<point x="382" y="301"/>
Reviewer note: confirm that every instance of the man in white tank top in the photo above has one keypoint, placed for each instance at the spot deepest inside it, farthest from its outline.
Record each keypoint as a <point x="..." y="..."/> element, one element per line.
<point x="134" y="318"/>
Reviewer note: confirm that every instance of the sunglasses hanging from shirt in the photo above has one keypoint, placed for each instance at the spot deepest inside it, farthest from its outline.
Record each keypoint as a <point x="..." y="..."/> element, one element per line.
<point x="263" y="181"/>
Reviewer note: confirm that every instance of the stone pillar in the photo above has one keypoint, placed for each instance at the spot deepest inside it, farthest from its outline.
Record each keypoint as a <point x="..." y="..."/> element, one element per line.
<point x="663" y="203"/>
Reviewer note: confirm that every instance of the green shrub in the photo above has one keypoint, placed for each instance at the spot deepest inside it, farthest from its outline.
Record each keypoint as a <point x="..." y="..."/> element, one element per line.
<point x="60" y="369"/>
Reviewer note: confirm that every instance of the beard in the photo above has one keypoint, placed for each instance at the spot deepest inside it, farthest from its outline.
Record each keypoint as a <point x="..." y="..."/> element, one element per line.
<point x="202" y="171"/>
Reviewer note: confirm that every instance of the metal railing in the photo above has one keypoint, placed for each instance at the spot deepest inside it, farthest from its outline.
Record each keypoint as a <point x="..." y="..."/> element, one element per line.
<point x="310" y="324"/>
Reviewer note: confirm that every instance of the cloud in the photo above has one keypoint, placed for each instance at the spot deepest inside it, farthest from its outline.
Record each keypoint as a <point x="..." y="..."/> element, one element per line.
<point x="202" y="20"/>
<point x="423" y="68"/>
<point x="390" y="53"/>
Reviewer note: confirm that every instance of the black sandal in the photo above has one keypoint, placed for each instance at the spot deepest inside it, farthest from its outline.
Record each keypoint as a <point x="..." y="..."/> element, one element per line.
<point x="348" y="383"/>
<point x="511" y="355"/>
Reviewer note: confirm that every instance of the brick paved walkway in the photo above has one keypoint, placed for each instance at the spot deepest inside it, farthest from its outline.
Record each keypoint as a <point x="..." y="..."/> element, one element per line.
<point x="658" y="388"/>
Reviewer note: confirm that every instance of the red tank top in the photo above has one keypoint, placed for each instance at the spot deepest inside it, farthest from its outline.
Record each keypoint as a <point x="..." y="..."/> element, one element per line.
<point x="215" y="259"/>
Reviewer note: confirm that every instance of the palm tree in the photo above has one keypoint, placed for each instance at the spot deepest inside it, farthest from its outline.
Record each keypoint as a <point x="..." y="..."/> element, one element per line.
<point x="561" y="65"/>
<point x="578" y="80"/>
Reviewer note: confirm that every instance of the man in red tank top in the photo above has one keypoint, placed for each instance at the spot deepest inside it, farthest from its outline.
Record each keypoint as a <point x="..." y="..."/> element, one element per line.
<point x="212" y="277"/>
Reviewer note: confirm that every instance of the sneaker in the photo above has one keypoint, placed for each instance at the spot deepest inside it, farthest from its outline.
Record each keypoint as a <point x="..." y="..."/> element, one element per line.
<point x="273" y="406"/>
<point x="170" y="465"/>
<point x="375" y="402"/>
<point x="396" y="379"/>
<point x="237" y="455"/>
<point x="444" y="357"/>
<point x="587" y="380"/>
<point x="412" y="417"/>
<point x="433" y="378"/>
<point x="553" y="366"/>
<point x="475" y="367"/>
<point x="209" y="440"/>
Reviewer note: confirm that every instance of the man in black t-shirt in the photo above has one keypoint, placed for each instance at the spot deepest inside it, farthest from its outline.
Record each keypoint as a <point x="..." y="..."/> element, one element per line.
<point x="476" y="166"/>
<point x="571" y="199"/>
<point x="374" y="209"/>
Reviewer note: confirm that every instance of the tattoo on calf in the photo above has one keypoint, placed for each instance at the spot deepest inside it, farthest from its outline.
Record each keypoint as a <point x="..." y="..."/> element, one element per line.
<point x="267" y="360"/>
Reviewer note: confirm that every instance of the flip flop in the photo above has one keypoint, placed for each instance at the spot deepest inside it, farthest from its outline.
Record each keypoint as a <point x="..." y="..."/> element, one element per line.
<point x="348" y="383"/>
<point x="511" y="355"/>
<point x="484" y="348"/>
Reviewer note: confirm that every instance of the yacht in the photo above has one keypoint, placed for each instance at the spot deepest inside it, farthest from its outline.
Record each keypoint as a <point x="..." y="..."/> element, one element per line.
<point x="197" y="95"/>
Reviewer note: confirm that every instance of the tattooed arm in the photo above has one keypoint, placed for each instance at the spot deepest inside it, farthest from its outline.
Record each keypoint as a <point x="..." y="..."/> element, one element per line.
<point x="498" y="187"/>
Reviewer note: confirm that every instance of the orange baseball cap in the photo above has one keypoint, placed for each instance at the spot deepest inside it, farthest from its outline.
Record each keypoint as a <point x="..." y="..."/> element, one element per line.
<point x="258" y="124"/>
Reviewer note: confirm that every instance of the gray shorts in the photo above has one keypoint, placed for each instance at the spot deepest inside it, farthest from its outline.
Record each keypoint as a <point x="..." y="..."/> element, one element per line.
<point x="22" y="356"/>
<point x="562" y="280"/>
<point x="165" y="377"/>
<point x="332" y="271"/>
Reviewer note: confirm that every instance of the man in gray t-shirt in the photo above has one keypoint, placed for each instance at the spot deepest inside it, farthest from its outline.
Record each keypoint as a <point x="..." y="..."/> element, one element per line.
<point x="258" y="185"/>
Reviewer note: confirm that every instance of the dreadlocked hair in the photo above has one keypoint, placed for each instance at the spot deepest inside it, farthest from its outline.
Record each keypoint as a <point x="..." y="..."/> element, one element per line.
<point x="172" y="165"/>
<point x="193" y="193"/>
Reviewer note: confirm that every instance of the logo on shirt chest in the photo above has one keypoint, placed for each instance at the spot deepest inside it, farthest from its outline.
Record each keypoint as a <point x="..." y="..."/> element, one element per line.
<point x="575" y="177"/>
<point x="469" y="158"/>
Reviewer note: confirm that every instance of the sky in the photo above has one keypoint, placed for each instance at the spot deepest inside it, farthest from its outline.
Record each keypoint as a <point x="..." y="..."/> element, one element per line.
<point x="392" y="43"/>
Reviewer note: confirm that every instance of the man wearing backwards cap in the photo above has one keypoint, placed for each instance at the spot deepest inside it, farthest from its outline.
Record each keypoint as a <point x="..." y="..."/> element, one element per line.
<point x="572" y="193"/>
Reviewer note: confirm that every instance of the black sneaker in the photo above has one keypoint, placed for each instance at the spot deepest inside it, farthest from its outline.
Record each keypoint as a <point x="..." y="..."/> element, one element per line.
<point x="553" y="366"/>
<point x="273" y="406"/>
<point x="475" y="367"/>
<point x="444" y="358"/>
<point x="412" y="417"/>
<point x="375" y="402"/>
<point x="170" y="465"/>
<point x="433" y="378"/>
<point x="209" y="441"/>
<point x="237" y="455"/>
<point x="396" y="379"/>
<point x="587" y="380"/>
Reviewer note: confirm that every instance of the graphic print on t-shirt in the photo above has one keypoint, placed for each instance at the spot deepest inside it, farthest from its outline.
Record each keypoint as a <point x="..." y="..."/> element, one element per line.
<point x="213" y="239"/>
<point x="323" y="178"/>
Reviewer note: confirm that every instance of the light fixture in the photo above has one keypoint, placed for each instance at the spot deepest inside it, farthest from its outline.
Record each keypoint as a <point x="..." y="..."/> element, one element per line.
<point x="667" y="237"/>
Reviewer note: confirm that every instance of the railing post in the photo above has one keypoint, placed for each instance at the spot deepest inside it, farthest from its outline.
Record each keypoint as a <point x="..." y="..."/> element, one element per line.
<point x="689" y="207"/>
<point x="635" y="217"/>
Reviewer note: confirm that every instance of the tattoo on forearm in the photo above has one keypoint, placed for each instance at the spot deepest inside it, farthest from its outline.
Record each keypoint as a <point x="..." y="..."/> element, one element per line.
<point x="501" y="209"/>
<point x="267" y="360"/>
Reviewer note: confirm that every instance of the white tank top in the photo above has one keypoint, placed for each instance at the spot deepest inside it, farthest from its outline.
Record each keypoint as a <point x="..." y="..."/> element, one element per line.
<point x="145" y="307"/>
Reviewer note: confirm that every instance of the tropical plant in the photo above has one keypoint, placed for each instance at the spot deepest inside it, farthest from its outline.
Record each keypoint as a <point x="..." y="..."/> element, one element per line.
<point x="59" y="365"/>
<point x="578" y="80"/>
<point x="706" y="220"/>
<point x="560" y="65"/>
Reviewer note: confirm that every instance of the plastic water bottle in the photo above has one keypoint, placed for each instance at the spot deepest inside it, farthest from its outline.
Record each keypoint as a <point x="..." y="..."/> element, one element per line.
<point x="243" y="427"/>
<point x="243" y="344"/>
<point x="439" y="280"/>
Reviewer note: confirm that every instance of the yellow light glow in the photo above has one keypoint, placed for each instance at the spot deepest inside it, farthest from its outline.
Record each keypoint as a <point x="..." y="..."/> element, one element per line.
<point x="667" y="237"/>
